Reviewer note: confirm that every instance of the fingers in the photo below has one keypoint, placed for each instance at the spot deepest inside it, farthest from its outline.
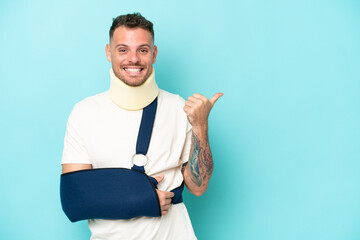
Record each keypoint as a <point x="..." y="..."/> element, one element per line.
<point x="197" y="98"/>
<point x="165" y="200"/>
<point x="159" y="178"/>
<point x="166" y="204"/>
<point x="215" y="98"/>
<point x="164" y="197"/>
<point x="186" y="108"/>
<point x="193" y="101"/>
<point x="169" y="195"/>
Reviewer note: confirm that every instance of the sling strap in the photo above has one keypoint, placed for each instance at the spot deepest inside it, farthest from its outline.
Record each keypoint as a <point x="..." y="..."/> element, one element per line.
<point x="146" y="127"/>
<point x="143" y="141"/>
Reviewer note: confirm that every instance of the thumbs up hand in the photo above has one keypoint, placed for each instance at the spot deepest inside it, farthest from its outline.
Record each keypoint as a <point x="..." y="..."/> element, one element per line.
<point x="197" y="109"/>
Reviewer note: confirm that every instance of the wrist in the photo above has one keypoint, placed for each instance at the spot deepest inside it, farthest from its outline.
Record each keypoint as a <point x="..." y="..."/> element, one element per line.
<point x="201" y="131"/>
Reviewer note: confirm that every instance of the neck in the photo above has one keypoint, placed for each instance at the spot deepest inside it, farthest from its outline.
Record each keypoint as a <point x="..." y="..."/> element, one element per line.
<point x="133" y="98"/>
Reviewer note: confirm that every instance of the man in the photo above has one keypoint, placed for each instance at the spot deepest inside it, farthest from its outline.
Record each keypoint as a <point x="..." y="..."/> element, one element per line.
<point x="102" y="132"/>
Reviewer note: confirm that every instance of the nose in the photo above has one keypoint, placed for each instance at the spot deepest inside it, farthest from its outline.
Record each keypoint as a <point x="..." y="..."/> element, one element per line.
<point x="133" y="57"/>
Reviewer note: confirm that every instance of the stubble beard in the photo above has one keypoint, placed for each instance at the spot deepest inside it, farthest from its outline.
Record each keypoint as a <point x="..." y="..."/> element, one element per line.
<point x="130" y="83"/>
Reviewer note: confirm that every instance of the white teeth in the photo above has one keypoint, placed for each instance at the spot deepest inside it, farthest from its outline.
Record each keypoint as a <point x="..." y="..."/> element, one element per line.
<point x="132" y="69"/>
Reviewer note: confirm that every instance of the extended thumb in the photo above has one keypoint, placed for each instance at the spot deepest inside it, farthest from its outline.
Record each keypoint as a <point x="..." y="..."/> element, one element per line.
<point x="215" y="98"/>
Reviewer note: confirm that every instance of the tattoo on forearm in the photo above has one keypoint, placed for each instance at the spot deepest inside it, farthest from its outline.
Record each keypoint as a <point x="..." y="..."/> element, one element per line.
<point x="200" y="161"/>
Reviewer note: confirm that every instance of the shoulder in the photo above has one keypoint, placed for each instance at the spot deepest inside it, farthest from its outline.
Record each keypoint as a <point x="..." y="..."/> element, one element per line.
<point x="93" y="101"/>
<point x="171" y="99"/>
<point x="90" y="105"/>
<point x="171" y="106"/>
<point x="171" y="103"/>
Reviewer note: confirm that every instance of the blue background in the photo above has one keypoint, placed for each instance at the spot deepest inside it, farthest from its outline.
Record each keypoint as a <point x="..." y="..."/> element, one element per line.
<point x="285" y="135"/>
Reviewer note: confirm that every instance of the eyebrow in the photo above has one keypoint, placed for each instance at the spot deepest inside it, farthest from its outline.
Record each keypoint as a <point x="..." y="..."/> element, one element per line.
<point x="124" y="45"/>
<point x="120" y="45"/>
<point x="145" y="45"/>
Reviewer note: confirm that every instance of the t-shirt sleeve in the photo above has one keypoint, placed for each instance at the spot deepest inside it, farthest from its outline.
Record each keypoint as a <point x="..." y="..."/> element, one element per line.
<point x="187" y="145"/>
<point x="74" y="145"/>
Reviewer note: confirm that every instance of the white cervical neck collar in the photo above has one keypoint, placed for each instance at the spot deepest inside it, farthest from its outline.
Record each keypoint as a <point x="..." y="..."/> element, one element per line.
<point x="133" y="98"/>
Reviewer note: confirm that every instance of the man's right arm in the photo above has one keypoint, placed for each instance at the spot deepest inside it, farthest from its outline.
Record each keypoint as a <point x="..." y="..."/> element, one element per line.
<point x="164" y="197"/>
<point x="71" y="167"/>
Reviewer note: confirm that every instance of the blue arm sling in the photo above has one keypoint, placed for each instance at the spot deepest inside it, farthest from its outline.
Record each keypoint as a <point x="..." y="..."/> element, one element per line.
<point x="115" y="193"/>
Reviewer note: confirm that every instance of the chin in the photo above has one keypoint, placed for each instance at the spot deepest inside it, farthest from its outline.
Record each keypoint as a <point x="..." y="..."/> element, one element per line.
<point x="134" y="83"/>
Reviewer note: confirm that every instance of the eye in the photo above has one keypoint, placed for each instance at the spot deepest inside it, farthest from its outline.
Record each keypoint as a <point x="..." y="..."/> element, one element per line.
<point x="144" y="50"/>
<point x="122" y="50"/>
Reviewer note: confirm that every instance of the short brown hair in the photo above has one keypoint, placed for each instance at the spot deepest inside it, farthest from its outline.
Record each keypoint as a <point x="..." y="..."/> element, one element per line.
<point x="131" y="21"/>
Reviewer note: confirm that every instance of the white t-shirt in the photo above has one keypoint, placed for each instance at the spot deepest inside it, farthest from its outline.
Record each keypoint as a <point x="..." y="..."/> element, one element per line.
<point x="104" y="135"/>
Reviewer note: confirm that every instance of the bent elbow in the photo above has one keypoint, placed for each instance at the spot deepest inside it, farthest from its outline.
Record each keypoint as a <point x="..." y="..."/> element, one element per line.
<point x="198" y="194"/>
<point x="200" y="191"/>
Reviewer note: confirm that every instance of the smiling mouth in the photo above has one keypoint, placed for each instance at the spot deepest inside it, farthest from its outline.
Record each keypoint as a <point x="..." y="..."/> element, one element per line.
<point x="133" y="70"/>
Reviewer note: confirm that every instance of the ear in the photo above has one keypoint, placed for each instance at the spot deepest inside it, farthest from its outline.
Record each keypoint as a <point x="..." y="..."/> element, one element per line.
<point x="155" y="54"/>
<point x="108" y="52"/>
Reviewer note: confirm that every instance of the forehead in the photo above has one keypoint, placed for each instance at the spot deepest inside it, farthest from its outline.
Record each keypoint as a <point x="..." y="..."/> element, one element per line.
<point x="131" y="36"/>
